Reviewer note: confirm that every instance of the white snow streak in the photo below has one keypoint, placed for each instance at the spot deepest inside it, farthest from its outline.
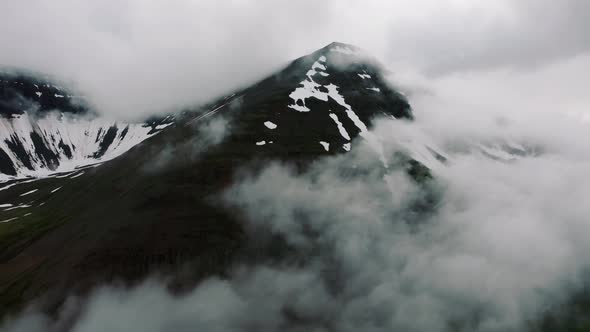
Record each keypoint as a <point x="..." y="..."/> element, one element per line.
<point x="22" y="206"/>
<point x="77" y="175"/>
<point x="162" y="126"/>
<point x="341" y="128"/>
<point x="29" y="192"/>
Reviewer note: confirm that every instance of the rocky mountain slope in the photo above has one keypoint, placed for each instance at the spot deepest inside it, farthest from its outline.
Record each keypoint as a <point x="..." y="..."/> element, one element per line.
<point x="153" y="209"/>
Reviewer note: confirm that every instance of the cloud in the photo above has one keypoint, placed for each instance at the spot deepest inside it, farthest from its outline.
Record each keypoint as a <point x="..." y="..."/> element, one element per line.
<point x="548" y="106"/>
<point x="132" y="58"/>
<point x="503" y="247"/>
<point x="447" y="37"/>
<point x="135" y="57"/>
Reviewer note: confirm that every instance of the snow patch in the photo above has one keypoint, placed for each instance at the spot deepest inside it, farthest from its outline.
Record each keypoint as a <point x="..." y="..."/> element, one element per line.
<point x="260" y="143"/>
<point x="162" y="126"/>
<point x="8" y="220"/>
<point x="270" y="125"/>
<point x="77" y="175"/>
<point x="326" y="145"/>
<point x="309" y="88"/>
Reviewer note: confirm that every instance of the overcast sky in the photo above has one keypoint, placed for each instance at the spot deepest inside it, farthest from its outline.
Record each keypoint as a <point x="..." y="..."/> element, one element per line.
<point x="133" y="57"/>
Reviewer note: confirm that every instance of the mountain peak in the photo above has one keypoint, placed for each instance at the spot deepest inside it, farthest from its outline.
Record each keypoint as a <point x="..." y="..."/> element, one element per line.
<point x="342" y="48"/>
<point x="340" y="44"/>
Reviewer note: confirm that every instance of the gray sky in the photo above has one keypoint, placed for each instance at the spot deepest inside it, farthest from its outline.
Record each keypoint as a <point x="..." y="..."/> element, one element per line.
<point x="134" y="57"/>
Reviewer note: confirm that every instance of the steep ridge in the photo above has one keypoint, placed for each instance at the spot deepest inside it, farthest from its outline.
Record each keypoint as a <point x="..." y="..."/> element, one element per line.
<point x="44" y="130"/>
<point x="154" y="209"/>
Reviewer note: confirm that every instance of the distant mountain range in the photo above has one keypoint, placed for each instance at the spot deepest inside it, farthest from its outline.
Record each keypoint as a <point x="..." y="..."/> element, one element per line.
<point x="45" y="129"/>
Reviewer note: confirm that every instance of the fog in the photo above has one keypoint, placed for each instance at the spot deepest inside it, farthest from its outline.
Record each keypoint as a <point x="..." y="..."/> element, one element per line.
<point x="504" y="242"/>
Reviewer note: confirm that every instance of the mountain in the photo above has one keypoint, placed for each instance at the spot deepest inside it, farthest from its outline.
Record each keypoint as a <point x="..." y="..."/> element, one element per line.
<point x="45" y="129"/>
<point x="152" y="209"/>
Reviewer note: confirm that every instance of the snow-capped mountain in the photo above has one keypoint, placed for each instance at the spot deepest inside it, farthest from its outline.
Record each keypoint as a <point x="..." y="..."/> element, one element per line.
<point x="45" y="130"/>
<point x="159" y="194"/>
